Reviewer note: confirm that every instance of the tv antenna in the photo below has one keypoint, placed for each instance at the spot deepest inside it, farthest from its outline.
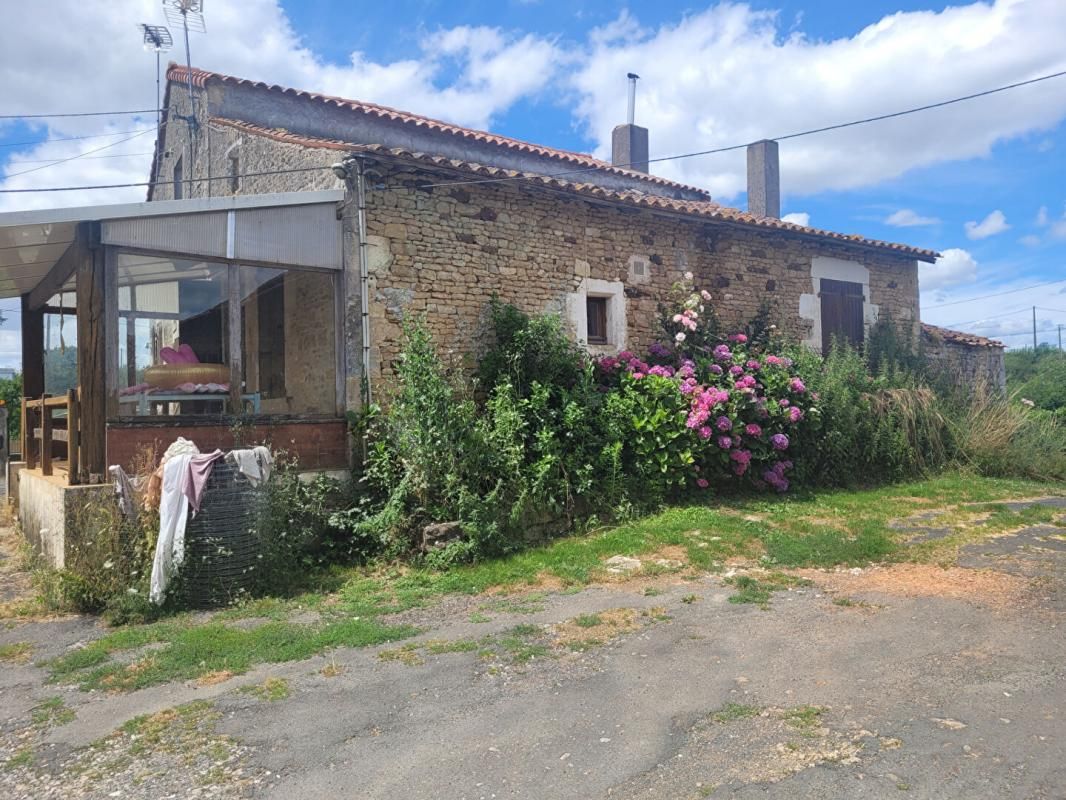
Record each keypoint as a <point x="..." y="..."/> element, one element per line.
<point x="157" y="38"/>
<point x="190" y="15"/>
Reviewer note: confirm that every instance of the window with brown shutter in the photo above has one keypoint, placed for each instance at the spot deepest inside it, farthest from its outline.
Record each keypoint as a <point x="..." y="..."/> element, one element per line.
<point x="596" y="308"/>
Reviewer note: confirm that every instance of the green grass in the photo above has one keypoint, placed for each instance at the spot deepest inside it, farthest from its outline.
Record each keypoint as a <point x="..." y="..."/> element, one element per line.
<point x="588" y="620"/>
<point x="820" y="529"/>
<point x="758" y="590"/>
<point x="24" y="757"/>
<point x="271" y="690"/>
<point x="731" y="712"/>
<point x="16" y="652"/>
<point x="806" y="719"/>
<point x="192" y="650"/>
<point x="52" y="712"/>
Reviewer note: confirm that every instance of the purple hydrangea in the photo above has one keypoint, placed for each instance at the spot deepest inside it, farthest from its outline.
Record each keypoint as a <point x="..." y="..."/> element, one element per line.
<point x="723" y="424"/>
<point x="779" y="441"/>
<point x="725" y="442"/>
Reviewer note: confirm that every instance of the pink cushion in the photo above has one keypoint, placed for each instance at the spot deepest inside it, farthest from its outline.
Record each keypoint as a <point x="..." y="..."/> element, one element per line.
<point x="189" y="354"/>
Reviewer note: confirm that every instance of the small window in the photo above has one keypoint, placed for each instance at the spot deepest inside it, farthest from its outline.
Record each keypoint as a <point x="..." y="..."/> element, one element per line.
<point x="596" y="309"/>
<point x="179" y="179"/>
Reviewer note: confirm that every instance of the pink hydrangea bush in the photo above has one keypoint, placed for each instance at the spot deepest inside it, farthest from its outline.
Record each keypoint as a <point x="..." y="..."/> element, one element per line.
<point x="740" y="409"/>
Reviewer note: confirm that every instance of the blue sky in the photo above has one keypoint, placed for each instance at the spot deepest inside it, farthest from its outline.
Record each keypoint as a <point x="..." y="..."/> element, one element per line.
<point x="980" y="182"/>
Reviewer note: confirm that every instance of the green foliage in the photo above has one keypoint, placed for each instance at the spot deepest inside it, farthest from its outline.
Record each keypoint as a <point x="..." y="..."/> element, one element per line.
<point x="869" y="428"/>
<point x="108" y="560"/>
<point x="11" y="395"/>
<point x="647" y="420"/>
<point x="529" y="350"/>
<point x="1038" y="375"/>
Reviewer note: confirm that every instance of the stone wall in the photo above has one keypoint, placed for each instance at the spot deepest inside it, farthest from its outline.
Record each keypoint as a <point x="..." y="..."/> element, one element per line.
<point x="972" y="366"/>
<point x="444" y="251"/>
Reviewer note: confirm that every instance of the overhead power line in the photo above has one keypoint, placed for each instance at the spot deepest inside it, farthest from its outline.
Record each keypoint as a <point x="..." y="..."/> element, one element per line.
<point x="1027" y="309"/>
<point x="87" y="158"/>
<point x="72" y="138"/>
<point x="81" y="114"/>
<point x="810" y="132"/>
<point x="1024" y="333"/>
<point x="995" y="294"/>
<point x="166" y="183"/>
<point x="75" y="157"/>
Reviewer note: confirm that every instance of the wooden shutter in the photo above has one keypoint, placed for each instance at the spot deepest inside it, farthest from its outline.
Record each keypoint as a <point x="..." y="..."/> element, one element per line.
<point x="596" y="308"/>
<point x="841" y="312"/>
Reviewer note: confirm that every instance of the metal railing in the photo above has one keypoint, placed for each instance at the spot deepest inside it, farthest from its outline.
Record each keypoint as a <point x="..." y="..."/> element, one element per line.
<point x="42" y="428"/>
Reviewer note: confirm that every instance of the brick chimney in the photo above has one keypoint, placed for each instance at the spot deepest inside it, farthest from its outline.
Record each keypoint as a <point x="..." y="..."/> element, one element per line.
<point x="629" y="142"/>
<point x="764" y="179"/>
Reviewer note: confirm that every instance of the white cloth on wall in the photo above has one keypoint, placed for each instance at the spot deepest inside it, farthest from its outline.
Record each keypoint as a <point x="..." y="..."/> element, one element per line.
<point x="173" y="515"/>
<point x="255" y="463"/>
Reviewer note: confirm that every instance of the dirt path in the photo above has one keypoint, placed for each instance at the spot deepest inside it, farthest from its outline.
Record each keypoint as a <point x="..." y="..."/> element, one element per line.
<point x="903" y="681"/>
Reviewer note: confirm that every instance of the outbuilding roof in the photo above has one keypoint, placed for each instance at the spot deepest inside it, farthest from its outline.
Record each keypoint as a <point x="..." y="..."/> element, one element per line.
<point x="959" y="337"/>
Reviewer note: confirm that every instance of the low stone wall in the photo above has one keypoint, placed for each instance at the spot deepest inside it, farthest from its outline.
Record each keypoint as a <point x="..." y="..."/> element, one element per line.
<point x="45" y="508"/>
<point x="969" y="361"/>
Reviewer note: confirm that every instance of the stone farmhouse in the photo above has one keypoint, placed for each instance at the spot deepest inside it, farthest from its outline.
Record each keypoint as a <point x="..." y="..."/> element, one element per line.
<point x="438" y="218"/>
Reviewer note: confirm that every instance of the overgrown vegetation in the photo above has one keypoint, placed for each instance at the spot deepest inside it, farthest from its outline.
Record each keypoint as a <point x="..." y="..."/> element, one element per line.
<point x="462" y="473"/>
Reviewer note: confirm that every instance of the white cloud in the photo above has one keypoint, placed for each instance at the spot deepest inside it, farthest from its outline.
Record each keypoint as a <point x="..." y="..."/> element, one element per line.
<point x="954" y="267"/>
<point x="721" y="76"/>
<point x="467" y="75"/>
<point x="906" y="218"/>
<point x="732" y="74"/>
<point x="797" y="218"/>
<point x="994" y="223"/>
<point x="1029" y="240"/>
<point x="1041" y="216"/>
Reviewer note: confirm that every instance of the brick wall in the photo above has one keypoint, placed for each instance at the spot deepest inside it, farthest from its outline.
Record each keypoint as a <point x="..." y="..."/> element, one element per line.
<point x="318" y="445"/>
<point x="444" y="252"/>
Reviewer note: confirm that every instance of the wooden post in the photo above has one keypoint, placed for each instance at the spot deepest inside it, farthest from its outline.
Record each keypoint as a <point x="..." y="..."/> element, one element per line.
<point x="32" y="352"/>
<point x="29" y="441"/>
<point x="73" y="439"/>
<point x="236" y="373"/>
<point x="46" y="437"/>
<point x="92" y="356"/>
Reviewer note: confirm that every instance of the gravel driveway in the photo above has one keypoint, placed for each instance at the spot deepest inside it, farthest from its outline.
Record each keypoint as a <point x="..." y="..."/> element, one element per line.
<point x="888" y="682"/>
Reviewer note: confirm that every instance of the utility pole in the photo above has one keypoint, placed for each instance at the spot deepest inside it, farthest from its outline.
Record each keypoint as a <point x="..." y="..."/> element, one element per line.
<point x="1034" y="329"/>
<point x="1060" y="338"/>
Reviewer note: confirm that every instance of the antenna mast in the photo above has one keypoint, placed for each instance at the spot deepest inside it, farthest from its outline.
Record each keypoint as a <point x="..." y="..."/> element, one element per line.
<point x="190" y="15"/>
<point x="157" y="38"/>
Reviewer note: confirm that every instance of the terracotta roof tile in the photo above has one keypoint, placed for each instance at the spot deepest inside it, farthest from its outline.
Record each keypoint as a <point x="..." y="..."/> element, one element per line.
<point x="706" y="209"/>
<point x="959" y="337"/>
<point x="179" y="73"/>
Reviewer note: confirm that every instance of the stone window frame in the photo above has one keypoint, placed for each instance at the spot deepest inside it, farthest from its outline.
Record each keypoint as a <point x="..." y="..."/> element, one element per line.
<point x="810" y="306"/>
<point x="577" y="314"/>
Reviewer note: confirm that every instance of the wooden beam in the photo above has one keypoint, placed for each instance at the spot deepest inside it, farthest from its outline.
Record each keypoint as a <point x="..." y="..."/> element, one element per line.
<point x="46" y="441"/>
<point x="64" y="267"/>
<point x="92" y="356"/>
<point x="32" y="350"/>
<point x="73" y="438"/>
